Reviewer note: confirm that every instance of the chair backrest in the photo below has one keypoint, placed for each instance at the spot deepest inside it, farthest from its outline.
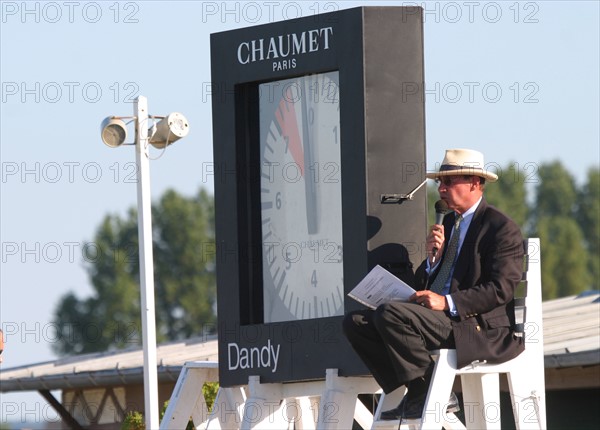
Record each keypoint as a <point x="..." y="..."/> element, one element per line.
<point x="528" y="297"/>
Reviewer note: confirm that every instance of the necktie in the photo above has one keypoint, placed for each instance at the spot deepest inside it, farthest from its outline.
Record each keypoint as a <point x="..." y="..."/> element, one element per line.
<point x="442" y="277"/>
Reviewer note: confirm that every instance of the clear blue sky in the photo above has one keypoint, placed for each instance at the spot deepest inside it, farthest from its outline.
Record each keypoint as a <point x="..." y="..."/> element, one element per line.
<point x="516" y="80"/>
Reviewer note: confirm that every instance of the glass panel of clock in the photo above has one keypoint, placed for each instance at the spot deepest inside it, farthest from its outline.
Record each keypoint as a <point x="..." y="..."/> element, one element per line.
<point x="301" y="201"/>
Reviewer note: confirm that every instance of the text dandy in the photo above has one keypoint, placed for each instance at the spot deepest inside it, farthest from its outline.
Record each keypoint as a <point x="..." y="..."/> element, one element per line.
<point x="254" y="357"/>
<point x="281" y="48"/>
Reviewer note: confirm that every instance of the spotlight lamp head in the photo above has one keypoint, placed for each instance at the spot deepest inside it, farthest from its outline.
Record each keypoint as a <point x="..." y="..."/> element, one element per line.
<point x="113" y="131"/>
<point x="168" y="130"/>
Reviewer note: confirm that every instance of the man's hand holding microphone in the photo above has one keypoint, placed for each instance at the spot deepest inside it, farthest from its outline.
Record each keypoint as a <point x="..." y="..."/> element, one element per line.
<point x="435" y="239"/>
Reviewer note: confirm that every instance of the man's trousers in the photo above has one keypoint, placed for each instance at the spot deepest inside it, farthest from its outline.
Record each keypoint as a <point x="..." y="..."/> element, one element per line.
<point x="394" y="340"/>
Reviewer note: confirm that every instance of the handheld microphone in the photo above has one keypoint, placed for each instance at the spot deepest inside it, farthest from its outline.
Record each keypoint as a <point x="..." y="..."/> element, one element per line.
<point x="441" y="207"/>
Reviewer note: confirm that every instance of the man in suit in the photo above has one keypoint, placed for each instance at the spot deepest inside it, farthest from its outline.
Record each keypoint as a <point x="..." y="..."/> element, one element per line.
<point x="464" y="296"/>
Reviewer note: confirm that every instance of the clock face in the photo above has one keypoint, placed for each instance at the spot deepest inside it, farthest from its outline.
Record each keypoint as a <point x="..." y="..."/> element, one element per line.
<point x="301" y="200"/>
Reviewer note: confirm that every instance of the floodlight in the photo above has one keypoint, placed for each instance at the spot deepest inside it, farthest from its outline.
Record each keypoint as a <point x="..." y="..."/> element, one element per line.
<point x="163" y="133"/>
<point x="168" y="130"/>
<point x="114" y="131"/>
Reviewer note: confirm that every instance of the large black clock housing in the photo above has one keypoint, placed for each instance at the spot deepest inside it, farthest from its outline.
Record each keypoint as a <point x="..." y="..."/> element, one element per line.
<point x="313" y="119"/>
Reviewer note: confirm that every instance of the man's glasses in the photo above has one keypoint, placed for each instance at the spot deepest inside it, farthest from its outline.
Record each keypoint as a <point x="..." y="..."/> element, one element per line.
<point x="451" y="180"/>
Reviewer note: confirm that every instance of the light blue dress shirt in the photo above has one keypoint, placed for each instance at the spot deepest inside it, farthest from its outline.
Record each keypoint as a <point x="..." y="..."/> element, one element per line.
<point x="464" y="227"/>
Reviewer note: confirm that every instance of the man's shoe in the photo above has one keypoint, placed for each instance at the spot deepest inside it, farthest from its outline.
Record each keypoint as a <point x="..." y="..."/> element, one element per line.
<point x="393" y="414"/>
<point x="410" y="409"/>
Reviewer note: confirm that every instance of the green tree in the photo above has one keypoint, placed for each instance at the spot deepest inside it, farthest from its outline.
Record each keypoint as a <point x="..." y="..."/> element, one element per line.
<point x="184" y="259"/>
<point x="567" y="221"/>
<point x="564" y="258"/>
<point x="564" y="263"/>
<point x="184" y="262"/>
<point x="588" y="216"/>
<point x="509" y="193"/>
<point x="110" y="318"/>
<point x="556" y="193"/>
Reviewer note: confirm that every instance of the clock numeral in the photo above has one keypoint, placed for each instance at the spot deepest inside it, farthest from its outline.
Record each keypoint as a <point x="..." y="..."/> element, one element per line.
<point x="336" y="137"/>
<point x="278" y="200"/>
<point x="313" y="279"/>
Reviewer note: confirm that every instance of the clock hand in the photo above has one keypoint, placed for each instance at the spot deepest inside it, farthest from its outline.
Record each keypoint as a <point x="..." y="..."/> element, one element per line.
<point x="310" y="184"/>
<point x="286" y="117"/>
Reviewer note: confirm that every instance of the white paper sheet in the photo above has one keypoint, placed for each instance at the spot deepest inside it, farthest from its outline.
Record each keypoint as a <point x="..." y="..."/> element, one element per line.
<point x="380" y="286"/>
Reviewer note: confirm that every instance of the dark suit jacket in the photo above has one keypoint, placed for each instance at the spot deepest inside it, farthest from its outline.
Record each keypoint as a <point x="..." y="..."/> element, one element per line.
<point x="487" y="272"/>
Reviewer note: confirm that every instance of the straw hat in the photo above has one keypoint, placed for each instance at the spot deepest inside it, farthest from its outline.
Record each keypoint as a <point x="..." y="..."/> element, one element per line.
<point x="463" y="162"/>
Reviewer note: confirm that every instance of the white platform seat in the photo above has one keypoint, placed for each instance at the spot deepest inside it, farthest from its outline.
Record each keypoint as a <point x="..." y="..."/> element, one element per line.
<point x="188" y="402"/>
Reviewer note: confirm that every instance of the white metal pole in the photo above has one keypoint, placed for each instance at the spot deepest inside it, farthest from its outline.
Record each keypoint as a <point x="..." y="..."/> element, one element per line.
<point x="140" y="111"/>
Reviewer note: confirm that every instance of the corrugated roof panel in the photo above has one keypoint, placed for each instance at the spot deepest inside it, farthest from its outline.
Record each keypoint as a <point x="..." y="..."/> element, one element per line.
<point x="572" y="330"/>
<point x="125" y="364"/>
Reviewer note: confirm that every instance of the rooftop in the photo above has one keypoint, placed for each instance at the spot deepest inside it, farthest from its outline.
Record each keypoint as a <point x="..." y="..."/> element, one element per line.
<point x="108" y="368"/>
